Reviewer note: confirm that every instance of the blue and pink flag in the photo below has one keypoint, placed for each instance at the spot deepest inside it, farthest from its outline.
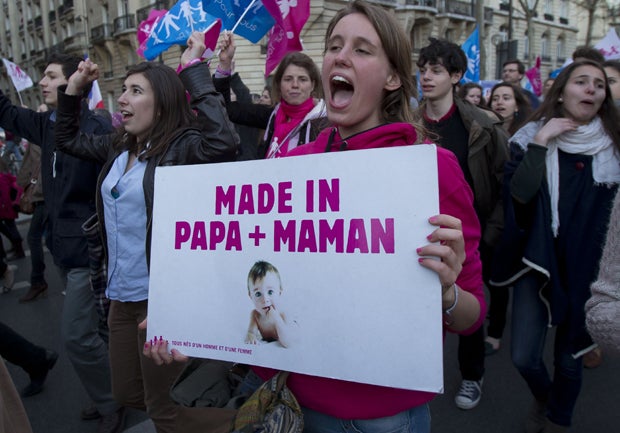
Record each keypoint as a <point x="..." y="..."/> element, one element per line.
<point x="247" y="18"/>
<point x="290" y="17"/>
<point x="145" y="28"/>
<point x="176" y="25"/>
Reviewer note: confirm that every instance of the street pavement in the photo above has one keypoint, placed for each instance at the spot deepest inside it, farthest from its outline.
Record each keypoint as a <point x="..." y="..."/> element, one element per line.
<point x="502" y="409"/>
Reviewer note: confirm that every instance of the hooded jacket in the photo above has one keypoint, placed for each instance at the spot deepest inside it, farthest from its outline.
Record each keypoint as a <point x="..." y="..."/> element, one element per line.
<point x="487" y="153"/>
<point x="351" y="400"/>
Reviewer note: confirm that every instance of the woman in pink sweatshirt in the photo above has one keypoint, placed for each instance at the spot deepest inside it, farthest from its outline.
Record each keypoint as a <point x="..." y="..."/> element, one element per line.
<point x="367" y="83"/>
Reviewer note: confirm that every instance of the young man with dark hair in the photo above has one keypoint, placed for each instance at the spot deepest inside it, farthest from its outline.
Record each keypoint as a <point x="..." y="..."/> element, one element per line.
<point x="513" y="72"/>
<point x="69" y="187"/>
<point x="585" y="52"/>
<point x="476" y="137"/>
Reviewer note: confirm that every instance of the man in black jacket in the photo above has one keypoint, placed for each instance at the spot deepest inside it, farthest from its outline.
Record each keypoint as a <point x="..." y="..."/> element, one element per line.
<point x="69" y="190"/>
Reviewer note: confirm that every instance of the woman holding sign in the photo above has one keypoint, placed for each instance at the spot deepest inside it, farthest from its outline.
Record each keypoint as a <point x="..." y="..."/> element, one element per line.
<point x="158" y="128"/>
<point x="367" y="83"/>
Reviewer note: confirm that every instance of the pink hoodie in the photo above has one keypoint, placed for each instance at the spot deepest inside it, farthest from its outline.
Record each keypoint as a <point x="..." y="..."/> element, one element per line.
<point x="351" y="400"/>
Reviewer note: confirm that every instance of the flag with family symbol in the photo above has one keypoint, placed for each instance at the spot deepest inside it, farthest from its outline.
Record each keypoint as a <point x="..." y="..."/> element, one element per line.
<point x="177" y="25"/>
<point x="247" y="18"/>
<point x="471" y="48"/>
<point x="21" y="80"/>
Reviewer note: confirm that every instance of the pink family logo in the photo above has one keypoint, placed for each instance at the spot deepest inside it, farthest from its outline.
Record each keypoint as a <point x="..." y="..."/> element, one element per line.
<point x="320" y="235"/>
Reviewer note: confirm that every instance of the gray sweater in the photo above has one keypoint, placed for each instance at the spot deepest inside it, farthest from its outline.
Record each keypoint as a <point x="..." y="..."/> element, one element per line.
<point x="603" y="308"/>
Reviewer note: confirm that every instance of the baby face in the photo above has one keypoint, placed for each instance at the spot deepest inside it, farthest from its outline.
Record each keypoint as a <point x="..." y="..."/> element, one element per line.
<point x="265" y="292"/>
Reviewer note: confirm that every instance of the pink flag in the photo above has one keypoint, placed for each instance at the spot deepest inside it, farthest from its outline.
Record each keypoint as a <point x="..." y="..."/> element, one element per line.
<point x="146" y="27"/>
<point x="533" y="75"/>
<point x="95" y="100"/>
<point x="20" y="79"/>
<point x="290" y="16"/>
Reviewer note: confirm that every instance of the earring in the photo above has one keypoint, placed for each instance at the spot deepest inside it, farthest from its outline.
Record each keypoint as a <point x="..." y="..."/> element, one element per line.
<point x="560" y="100"/>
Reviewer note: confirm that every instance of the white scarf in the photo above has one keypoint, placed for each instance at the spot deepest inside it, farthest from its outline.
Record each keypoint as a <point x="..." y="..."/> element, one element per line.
<point x="590" y="139"/>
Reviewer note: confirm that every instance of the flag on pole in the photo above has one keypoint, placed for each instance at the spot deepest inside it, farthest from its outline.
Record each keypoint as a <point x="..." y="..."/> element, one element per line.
<point x="95" y="100"/>
<point x="609" y="46"/>
<point x="471" y="48"/>
<point x="534" y="79"/>
<point x="176" y="25"/>
<point x="20" y="79"/>
<point x="290" y="17"/>
<point x="247" y="18"/>
<point x="145" y="28"/>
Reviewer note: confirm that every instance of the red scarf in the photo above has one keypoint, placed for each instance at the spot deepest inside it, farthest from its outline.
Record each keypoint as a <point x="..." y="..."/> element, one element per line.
<point x="287" y="118"/>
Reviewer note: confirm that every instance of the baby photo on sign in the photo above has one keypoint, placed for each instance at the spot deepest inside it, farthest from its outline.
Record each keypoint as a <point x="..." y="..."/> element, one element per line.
<point x="268" y="321"/>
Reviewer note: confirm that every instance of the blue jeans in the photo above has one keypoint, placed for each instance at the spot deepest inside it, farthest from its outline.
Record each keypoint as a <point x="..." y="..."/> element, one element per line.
<point x="529" y="331"/>
<point x="416" y="420"/>
<point x="13" y="147"/>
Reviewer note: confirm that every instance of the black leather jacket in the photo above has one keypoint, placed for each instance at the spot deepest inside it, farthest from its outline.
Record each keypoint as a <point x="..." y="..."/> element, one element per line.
<point x="215" y="140"/>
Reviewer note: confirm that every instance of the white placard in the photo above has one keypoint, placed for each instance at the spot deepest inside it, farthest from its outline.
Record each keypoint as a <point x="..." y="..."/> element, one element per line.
<point x="342" y="231"/>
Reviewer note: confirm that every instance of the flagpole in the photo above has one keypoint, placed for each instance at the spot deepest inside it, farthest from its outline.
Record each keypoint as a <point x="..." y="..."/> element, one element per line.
<point x="219" y="50"/>
<point x="242" y="16"/>
<point x="21" y="101"/>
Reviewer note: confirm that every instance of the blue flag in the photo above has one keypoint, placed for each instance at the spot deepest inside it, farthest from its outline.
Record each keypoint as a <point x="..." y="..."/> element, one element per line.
<point x="245" y="18"/>
<point x="176" y="26"/>
<point x="471" y="48"/>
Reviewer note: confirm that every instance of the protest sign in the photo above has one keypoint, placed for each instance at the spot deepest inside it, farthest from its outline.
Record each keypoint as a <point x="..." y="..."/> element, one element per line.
<point x="341" y="229"/>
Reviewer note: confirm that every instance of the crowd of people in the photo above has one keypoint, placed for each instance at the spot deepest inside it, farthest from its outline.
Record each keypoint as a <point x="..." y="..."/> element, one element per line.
<point x="527" y="191"/>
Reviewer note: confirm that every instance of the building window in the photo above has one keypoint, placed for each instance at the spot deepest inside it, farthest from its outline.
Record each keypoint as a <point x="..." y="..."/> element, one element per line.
<point x="544" y="47"/>
<point x="564" y="9"/>
<point x="560" y="49"/>
<point x="549" y="7"/>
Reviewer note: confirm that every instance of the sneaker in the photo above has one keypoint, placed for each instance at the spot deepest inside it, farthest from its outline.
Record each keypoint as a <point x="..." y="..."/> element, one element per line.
<point x="469" y="394"/>
<point x="8" y="278"/>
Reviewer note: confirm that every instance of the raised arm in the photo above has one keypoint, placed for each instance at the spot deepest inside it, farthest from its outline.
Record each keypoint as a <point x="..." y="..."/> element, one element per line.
<point x="220" y="140"/>
<point x="69" y="138"/>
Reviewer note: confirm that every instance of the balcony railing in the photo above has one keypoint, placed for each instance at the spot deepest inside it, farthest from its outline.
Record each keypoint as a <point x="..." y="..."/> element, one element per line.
<point x="563" y="20"/>
<point x="58" y="48"/>
<point x="124" y="24"/>
<point x="548" y="17"/>
<point x="101" y="33"/>
<point x="545" y="58"/>
<point x="143" y="13"/>
<point x="424" y="3"/>
<point x="459" y="8"/>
